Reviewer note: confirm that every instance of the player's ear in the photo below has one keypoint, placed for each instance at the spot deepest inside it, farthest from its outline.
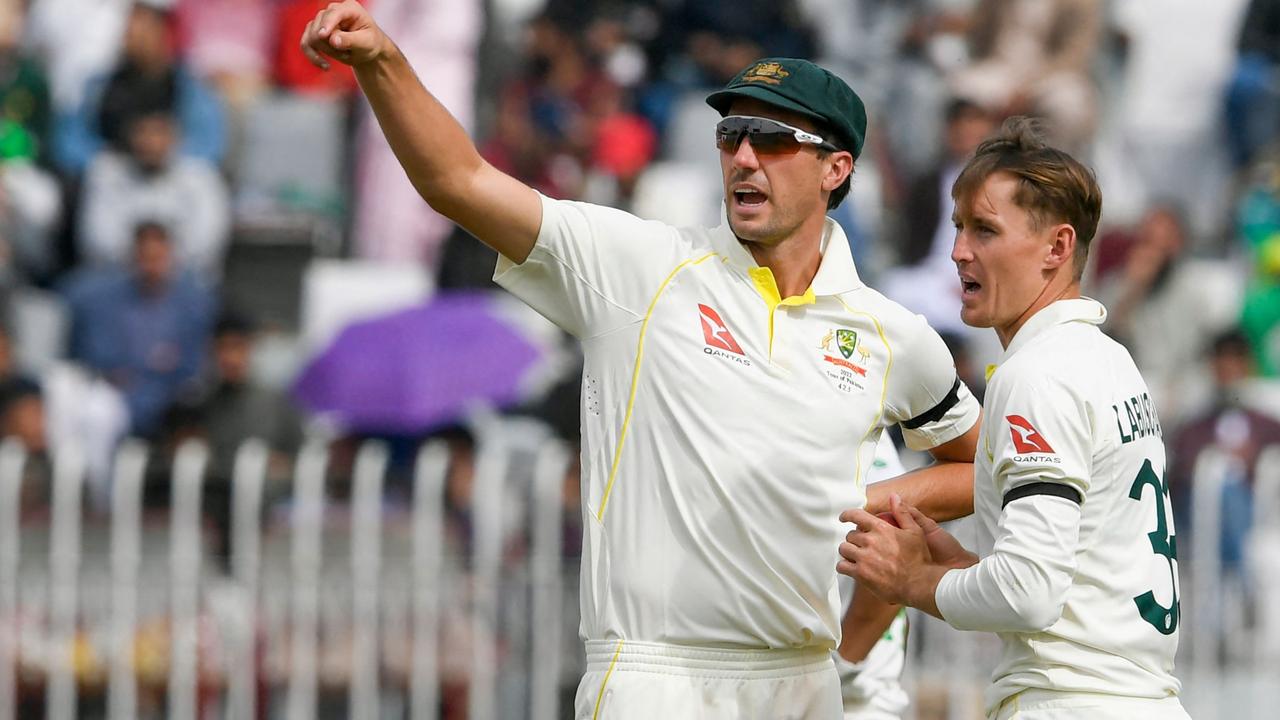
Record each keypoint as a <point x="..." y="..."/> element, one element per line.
<point x="1062" y="247"/>
<point x="838" y="167"/>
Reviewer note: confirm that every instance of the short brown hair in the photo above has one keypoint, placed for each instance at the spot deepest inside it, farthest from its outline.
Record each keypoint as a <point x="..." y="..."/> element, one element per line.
<point x="1052" y="185"/>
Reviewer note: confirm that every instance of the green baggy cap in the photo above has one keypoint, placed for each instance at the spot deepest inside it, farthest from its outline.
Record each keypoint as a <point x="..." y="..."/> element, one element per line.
<point x="802" y="87"/>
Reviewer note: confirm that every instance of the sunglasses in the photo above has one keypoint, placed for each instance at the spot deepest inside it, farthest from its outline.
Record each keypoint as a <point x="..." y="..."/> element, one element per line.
<point x="767" y="136"/>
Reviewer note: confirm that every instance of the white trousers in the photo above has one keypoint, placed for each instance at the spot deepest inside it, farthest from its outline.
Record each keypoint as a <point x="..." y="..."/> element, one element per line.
<point x="627" y="680"/>
<point x="1048" y="705"/>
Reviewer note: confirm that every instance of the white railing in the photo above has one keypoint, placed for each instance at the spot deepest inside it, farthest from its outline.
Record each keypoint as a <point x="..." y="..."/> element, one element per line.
<point x="275" y="608"/>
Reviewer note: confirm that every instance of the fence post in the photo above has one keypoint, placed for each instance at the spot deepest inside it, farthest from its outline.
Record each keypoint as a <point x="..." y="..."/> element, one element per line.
<point x="488" y="540"/>
<point x="1206" y="560"/>
<point x="308" y="516"/>
<point x="248" y="476"/>
<point x="185" y="538"/>
<point x="126" y="551"/>
<point x="545" y="560"/>
<point x="13" y="458"/>
<point x="366" y="556"/>
<point x="428" y="550"/>
<point x="64" y="570"/>
<point x="1263" y="568"/>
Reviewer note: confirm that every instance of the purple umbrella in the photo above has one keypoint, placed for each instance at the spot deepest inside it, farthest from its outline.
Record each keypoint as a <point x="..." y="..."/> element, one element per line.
<point x="419" y="369"/>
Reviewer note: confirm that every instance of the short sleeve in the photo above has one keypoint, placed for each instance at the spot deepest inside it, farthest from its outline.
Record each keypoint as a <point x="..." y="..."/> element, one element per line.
<point x="925" y="395"/>
<point x="593" y="269"/>
<point x="1042" y="441"/>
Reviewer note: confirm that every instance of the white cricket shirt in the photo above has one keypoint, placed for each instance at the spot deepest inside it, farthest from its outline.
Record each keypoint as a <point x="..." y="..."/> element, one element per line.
<point x="723" y="426"/>
<point x="1078" y="572"/>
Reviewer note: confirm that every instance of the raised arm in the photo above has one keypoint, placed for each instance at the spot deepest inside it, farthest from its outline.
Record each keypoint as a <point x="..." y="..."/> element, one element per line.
<point x="440" y="160"/>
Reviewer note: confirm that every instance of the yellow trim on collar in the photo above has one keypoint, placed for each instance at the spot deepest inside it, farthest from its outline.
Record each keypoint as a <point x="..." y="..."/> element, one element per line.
<point x="767" y="286"/>
<point x="991" y="370"/>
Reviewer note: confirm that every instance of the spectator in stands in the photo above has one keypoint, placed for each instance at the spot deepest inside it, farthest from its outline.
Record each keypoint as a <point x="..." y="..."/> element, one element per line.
<point x="25" y="105"/>
<point x="30" y="199"/>
<point x="1253" y="103"/>
<point x="721" y="38"/>
<point x="151" y="182"/>
<point x="1177" y="63"/>
<point x="228" y="43"/>
<point x="1229" y="423"/>
<point x="234" y="407"/>
<point x="970" y="372"/>
<point x="1034" y="57"/>
<point x="22" y="413"/>
<point x="288" y="70"/>
<point x="1165" y="305"/>
<point x="22" y="417"/>
<point x="30" y="210"/>
<point x="230" y="408"/>
<point x="144" y="327"/>
<point x="149" y="79"/>
<point x="77" y="40"/>
<point x="926" y="281"/>
<point x="391" y="222"/>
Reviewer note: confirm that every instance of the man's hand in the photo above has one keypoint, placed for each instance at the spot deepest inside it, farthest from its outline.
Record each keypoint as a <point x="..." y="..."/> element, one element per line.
<point x="899" y="564"/>
<point x="943" y="546"/>
<point x="883" y="558"/>
<point x="345" y="32"/>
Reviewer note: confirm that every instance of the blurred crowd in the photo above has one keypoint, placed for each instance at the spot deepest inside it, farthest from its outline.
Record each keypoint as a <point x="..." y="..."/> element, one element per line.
<point x="170" y="168"/>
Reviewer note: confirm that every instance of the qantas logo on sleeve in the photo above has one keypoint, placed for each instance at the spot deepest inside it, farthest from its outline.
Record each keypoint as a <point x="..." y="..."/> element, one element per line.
<point x="716" y="332"/>
<point x="1026" y="439"/>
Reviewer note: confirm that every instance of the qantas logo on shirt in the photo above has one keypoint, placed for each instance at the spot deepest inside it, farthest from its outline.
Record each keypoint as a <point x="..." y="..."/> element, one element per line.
<point x="716" y="332"/>
<point x="1026" y="439"/>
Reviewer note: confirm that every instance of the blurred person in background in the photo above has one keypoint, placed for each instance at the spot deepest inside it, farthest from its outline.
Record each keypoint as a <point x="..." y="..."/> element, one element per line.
<point x="229" y="408"/>
<point x="1253" y="100"/>
<point x="1258" y="226"/>
<point x="30" y="198"/>
<point x="78" y="41"/>
<point x="151" y="181"/>
<point x="233" y="406"/>
<point x="26" y="111"/>
<point x="1034" y="57"/>
<point x="149" y="78"/>
<point x="228" y="44"/>
<point x="1229" y="423"/>
<point x="1165" y="305"/>
<point x="30" y="212"/>
<point x="925" y="280"/>
<point x="391" y="223"/>
<point x="289" y="71"/>
<point x="1165" y="140"/>
<point x="144" y="327"/>
<point x="970" y="371"/>
<point x="22" y="417"/>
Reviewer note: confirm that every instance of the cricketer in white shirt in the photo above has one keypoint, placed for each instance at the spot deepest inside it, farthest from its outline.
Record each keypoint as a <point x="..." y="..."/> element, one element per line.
<point x="723" y="427"/>
<point x="1079" y="571"/>
<point x="1077" y="566"/>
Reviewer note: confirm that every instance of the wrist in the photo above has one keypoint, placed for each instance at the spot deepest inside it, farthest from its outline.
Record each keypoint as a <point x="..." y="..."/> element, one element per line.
<point x="923" y="589"/>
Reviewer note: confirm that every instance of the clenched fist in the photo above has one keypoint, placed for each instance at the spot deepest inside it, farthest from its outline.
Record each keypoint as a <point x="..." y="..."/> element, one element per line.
<point x="345" y="32"/>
